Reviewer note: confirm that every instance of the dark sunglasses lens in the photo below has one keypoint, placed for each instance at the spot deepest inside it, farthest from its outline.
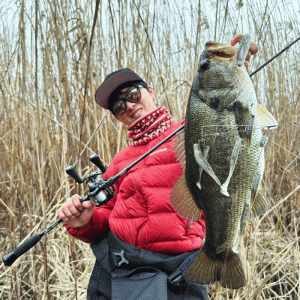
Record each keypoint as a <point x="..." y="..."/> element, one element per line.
<point x="134" y="95"/>
<point x="119" y="108"/>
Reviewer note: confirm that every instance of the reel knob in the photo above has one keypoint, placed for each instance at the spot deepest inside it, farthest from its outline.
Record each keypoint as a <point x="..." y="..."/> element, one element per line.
<point x="96" y="161"/>
<point x="72" y="172"/>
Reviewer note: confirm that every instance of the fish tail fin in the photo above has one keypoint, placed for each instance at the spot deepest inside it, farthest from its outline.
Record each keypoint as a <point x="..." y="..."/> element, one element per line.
<point x="232" y="274"/>
<point x="225" y="267"/>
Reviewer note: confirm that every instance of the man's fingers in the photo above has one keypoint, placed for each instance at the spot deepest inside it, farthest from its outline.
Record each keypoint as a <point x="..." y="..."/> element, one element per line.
<point x="235" y="39"/>
<point x="70" y="210"/>
<point x="67" y="212"/>
<point x="77" y="204"/>
<point x="87" y="204"/>
<point x="253" y="48"/>
<point x="248" y="56"/>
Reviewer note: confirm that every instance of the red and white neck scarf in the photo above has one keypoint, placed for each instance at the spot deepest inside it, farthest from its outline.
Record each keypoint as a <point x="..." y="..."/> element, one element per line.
<point x="150" y="126"/>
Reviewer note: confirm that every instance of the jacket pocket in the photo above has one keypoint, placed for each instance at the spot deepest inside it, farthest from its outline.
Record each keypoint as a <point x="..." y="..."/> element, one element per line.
<point x="144" y="283"/>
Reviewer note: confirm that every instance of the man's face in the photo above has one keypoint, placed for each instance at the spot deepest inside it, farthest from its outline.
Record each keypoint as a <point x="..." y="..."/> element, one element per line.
<point x="136" y="110"/>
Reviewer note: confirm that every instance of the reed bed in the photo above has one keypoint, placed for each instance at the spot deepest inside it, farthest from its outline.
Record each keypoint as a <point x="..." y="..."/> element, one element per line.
<point x="50" y="70"/>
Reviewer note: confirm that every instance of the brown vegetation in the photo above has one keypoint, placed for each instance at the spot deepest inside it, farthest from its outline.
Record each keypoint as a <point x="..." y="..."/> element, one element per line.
<point x="50" y="121"/>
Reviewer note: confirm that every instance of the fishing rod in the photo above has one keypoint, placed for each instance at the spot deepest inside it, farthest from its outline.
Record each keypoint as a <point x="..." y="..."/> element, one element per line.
<point x="276" y="55"/>
<point x="100" y="190"/>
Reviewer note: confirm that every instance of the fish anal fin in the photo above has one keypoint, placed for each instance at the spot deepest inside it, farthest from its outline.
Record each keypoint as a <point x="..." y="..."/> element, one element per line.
<point x="183" y="202"/>
<point x="209" y="267"/>
<point x="265" y="118"/>
<point x="258" y="204"/>
<point x="258" y="207"/>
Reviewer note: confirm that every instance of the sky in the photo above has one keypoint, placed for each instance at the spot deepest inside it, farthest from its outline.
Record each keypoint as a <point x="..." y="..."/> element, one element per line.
<point x="171" y="10"/>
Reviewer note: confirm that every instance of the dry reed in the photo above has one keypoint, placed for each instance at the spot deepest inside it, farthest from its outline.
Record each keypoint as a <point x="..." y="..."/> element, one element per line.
<point x="49" y="120"/>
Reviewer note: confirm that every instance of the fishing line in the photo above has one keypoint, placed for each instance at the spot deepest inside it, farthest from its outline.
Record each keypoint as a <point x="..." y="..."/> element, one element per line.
<point x="267" y="128"/>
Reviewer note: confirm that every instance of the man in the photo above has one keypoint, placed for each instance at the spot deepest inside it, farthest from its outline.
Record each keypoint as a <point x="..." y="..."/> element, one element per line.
<point x="143" y="248"/>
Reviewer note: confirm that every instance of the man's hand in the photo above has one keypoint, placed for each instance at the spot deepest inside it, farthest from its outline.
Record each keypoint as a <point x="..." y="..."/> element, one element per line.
<point x="253" y="49"/>
<point x="76" y="214"/>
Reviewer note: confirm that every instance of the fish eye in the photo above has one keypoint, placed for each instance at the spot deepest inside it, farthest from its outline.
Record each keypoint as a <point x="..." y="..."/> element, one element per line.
<point x="205" y="64"/>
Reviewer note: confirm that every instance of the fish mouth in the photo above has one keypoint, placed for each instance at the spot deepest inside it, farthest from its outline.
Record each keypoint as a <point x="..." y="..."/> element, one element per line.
<point x="220" y="51"/>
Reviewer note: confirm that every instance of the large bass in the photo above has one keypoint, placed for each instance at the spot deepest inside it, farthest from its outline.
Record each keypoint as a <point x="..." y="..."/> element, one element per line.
<point x="222" y="154"/>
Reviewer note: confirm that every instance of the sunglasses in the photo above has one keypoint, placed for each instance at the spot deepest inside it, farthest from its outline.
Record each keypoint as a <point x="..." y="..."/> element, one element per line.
<point x="133" y="95"/>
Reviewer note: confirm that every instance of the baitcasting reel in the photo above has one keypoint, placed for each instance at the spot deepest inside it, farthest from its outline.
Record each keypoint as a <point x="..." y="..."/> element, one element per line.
<point x="100" y="192"/>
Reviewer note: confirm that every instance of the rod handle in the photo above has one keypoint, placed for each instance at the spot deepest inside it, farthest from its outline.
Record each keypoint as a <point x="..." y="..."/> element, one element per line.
<point x="9" y="258"/>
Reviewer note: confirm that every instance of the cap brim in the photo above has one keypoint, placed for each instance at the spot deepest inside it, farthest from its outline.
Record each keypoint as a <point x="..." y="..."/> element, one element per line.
<point x="108" y="86"/>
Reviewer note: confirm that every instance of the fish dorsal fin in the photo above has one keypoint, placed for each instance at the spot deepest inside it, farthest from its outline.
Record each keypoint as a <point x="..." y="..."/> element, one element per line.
<point x="179" y="148"/>
<point x="183" y="202"/>
<point x="265" y="118"/>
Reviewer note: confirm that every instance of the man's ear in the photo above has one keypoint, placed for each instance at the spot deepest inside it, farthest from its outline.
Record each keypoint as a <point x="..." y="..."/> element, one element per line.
<point x="151" y="91"/>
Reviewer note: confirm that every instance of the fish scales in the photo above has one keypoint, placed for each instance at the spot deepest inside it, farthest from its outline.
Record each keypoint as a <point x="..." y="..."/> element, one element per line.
<point x="224" y="158"/>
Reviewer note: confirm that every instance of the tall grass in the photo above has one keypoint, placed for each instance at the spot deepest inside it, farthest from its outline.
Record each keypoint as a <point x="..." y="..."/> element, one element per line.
<point x="49" y="120"/>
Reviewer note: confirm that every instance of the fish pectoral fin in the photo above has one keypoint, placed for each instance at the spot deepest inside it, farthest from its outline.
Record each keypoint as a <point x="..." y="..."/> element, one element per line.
<point x="183" y="201"/>
<point x="209" y="267"/>
<point x="204" y="164"/>
<point x="265" y="118"/>
<point x="245" y="121"/>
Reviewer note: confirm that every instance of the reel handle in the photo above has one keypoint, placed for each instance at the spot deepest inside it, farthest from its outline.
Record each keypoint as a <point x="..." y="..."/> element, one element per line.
<point x="96" y="161"/>
<point x="72" y="172"/>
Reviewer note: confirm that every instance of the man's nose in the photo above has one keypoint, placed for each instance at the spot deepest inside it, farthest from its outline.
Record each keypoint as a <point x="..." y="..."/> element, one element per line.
<point x="130" y="105"/>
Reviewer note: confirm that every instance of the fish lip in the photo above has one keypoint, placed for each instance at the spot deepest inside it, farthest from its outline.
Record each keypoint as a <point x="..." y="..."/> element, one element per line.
<point x="211" y="44"/>
<point x="219" y="50"/>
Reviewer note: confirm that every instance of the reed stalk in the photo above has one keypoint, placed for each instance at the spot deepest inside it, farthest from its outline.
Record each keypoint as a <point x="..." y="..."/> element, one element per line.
<point x="55" y="54"/>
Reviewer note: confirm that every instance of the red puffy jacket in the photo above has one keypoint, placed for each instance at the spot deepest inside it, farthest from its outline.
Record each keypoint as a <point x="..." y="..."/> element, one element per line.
<point x="140" y="212"/>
